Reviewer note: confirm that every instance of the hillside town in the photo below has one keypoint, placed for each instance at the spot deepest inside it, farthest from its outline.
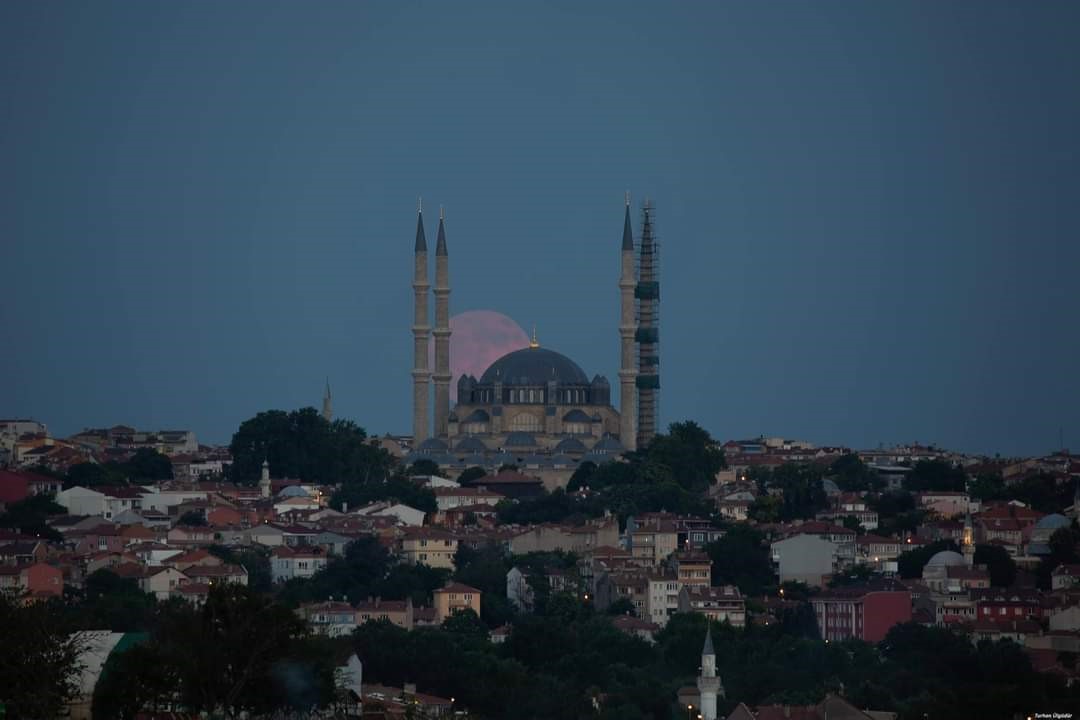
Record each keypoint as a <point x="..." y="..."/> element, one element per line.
<point x="836" y="545"/>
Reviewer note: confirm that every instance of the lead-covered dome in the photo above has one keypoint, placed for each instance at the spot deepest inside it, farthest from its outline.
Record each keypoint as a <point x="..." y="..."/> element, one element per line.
<point x="534" y="366"/>
<point x="946" y="558"/>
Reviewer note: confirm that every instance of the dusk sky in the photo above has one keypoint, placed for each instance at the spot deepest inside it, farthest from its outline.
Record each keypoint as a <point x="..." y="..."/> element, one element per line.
<point x="869" y="213"/>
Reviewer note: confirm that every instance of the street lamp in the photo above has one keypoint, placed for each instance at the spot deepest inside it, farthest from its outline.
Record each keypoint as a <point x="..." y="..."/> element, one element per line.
<point x="689" y="708"/>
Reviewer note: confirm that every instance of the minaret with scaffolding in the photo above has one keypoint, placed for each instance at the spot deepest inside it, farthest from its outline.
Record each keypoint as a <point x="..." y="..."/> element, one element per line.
<point x="647" y="335"/>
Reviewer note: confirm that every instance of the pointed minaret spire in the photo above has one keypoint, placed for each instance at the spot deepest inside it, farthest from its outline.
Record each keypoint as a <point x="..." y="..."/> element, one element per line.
<point x="421" y="374"/>
<point x="709" y="685"/>
<point x="442" y="374"/>
<point x="968" y="541"/>
<point x="440" y="243"/>
<point x="627" y="326"/>
<point x="327" y="408"/>
<point x="534" y="343"/>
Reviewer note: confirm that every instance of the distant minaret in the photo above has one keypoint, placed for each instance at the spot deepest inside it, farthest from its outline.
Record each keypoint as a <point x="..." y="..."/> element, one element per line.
<point x="968" y="541"/>
<point x="1076" y="500"/>
<point x="708" y="683"/>
<point x="627" y="369"/>
<point x="648" y="332"/>
<point x="421" y="329"/>
<point x="442" y="334"/>
<point x="327" y="407"/>
<point x="264" y="479"/>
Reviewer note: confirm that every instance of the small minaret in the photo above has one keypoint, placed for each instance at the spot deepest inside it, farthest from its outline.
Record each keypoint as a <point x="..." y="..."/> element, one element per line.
<point x="327" y="407"/>
<point x="709" y="685"/>
<point x="627" y="326"/>
<point x="968" y="542"/>
<point x="420" y="373"/>
<point x="442" y="334"/>
<point x="264" y="480"/>
<point x="647" y="335"/>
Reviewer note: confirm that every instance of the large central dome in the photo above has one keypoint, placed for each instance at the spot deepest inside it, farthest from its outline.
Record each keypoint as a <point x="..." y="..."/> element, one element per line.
<point x="534" y="366"/>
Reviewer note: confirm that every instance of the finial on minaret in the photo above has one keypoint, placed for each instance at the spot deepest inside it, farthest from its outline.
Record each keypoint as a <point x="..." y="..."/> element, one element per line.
<point x="420" y="205"/>
<point x="534" y="343"/>
<point x="442" y="213"/>
<point x="627" y="198"/>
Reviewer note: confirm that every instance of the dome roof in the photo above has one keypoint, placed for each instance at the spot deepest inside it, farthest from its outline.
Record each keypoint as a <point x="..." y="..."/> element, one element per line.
<point x="293" y="491"/>
<point x="471" y="444"/>
<point x="1053" y="522"/>
<point x="478" y="415"/>
<point x="534" y="366"/>
<point x="569" y="445"/>
<point x="946" y="558"/>
<point x="432" y="445"/>
<point x="608" y="443"/>
<point x="577" y="415"/>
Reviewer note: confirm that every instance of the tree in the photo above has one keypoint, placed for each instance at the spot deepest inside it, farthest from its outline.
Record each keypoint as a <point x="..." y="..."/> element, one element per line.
<point x="30" y="516"/>
<point x="471" y="474"/>
<point x="422" y="467"/>
<point x="741" y="558"/>
<point x="999" y="563"/>
<point x="622" y="606"/>
<point x="303" y="444"/>
<point x="937" y="475"/>
<point x="465" y="622"/>
<point x="193" y="518"/>
<point x="910" y="564"/>
<point x="40" y="661"/>
<point x="690" y="454"/>
<point x="148" y="465"/>
<point x="397" y="488"/>
<point x="852" y="475"/>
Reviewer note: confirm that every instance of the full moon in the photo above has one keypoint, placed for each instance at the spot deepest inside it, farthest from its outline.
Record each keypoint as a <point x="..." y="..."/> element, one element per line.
<point x="477" y="339"/>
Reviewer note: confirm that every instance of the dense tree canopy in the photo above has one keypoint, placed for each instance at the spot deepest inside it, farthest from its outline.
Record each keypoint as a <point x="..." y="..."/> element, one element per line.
<point x="741" y="558"/>
<point x="910" y="564"/>
<point x="937" y="475"/>
<point x="302" y="444"/>
<point x="39" y="659"/>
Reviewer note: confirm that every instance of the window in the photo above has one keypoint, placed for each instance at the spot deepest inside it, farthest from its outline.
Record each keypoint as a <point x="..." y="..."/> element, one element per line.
<point x="524" y="422"/>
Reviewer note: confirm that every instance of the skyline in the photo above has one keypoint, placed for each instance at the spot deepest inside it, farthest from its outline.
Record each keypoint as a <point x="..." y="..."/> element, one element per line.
<point x="867" y="215"/>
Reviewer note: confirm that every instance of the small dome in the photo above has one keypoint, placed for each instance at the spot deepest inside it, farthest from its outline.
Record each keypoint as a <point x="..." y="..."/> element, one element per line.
<point x="561" y="460"/>
<point x="471" y="445"/>
<point x="478" y="416"/>
<point x="432" y="445"/>
<point x="1055" y="521"/>
<point x="576" y="415"/>
<point x="293" y="491"/>
<point x="535" y="460"/>
<point x="500" y="459"/>
<point x="520" y="439"/>
<point x="608" y="444"/>
<point x="569" y="445"/>
<point x="946" y="558"/>
<point x="474" y="461"/>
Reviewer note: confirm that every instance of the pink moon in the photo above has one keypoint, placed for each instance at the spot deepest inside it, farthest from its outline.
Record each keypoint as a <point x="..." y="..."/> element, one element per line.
<point x="477" y="339"/>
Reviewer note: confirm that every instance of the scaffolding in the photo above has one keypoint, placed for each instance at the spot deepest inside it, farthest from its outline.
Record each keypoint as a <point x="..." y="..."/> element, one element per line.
<point x="647" y="335"/>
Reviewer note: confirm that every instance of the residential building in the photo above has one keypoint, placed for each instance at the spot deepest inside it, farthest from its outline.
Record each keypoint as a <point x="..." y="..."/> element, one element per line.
<point x="331" y="618"/>
<point x="865" y="612"/>
<point x="398" y="612"/>
<point x="722" y="604"/>
<point x="809" y="559"/>
<point x="287" y="563"/>
<point x="453" y="598"/>
<point x="429" y="546"/>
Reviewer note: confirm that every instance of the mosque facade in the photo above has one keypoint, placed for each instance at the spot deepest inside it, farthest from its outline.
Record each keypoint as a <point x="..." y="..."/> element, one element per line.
<point x="535" y="407"/>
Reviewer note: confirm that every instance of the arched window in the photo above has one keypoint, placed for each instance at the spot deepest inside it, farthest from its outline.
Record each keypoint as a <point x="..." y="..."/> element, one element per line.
<point x="525" y="422"/>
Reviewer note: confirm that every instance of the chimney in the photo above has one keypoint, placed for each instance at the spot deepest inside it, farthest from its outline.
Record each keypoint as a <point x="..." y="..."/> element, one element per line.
<point x="344" y="508"/>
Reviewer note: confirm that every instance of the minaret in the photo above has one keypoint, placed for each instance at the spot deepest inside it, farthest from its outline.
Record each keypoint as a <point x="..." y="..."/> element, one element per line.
<point x="647" y="335"/>
<point x="627" y="370"/>
<point x="968" y="541"/>
<point x="420" y="329"/>
<point x="327" y="407"/>
<point x="264" y="479"/>
<point x="442" y="334"/>
<point x="708" y="683"/>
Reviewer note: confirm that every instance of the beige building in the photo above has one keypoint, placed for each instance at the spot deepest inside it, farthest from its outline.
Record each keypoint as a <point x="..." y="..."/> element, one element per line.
<point x="398" y="612"/>
<point x="652" y="538"/>
<point x="715" y="603"/>
<point x="454" y="598"/>
<point x="580" y="539"/>
<point x="432" y="547"/>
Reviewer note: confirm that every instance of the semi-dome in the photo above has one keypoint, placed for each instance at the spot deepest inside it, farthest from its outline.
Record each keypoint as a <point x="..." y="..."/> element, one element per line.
<point x="946" y="558"/>
<point x="534" y="366"/>
<point x="471" y="444"/>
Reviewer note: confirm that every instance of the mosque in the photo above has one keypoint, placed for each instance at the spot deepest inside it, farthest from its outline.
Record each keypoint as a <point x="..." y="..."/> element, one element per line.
<point x="536" y="407"/>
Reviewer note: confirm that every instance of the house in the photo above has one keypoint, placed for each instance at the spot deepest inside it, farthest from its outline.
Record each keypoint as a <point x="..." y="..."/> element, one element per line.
<point x="804" y="558"/>
<point x="878" y="552"/>
<point x="331" y="618"/>
<point x="82" y="501"/>
<point x="637" y="627"/>
<point x="1016" y="630"/>
<point x="579" y="539"/>
<point x="945" y="504"/>
<point x="447" y="498"/>
<point x="453" y="598"/>
<point x="24" y="552"/>
<point x="287" y="563"/>
<point x="693" y="568"/>
<point x="199" y="557"/>
<point x="864" y="612"/>
<point x="218" y="574"/>
<point x="161" y="581"/>
<point x="511" y="484"/>
<point x="652" y="537"/>
<point x="662" y="597"/>
<point x="842" y="537"/>
<point x="398" y="612"/>
<point x="190" y="535"/>
<point x="1064" y="577"/>
<point x="833" y="707"/>
<point x="34" y="579"/>
<point x="432" y="547"/>
<point x="716" y="603"/>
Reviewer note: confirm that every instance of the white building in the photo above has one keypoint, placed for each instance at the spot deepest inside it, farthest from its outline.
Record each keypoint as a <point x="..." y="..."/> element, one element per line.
<point x="804" y="558"/>
<point x="287" y="563"/>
